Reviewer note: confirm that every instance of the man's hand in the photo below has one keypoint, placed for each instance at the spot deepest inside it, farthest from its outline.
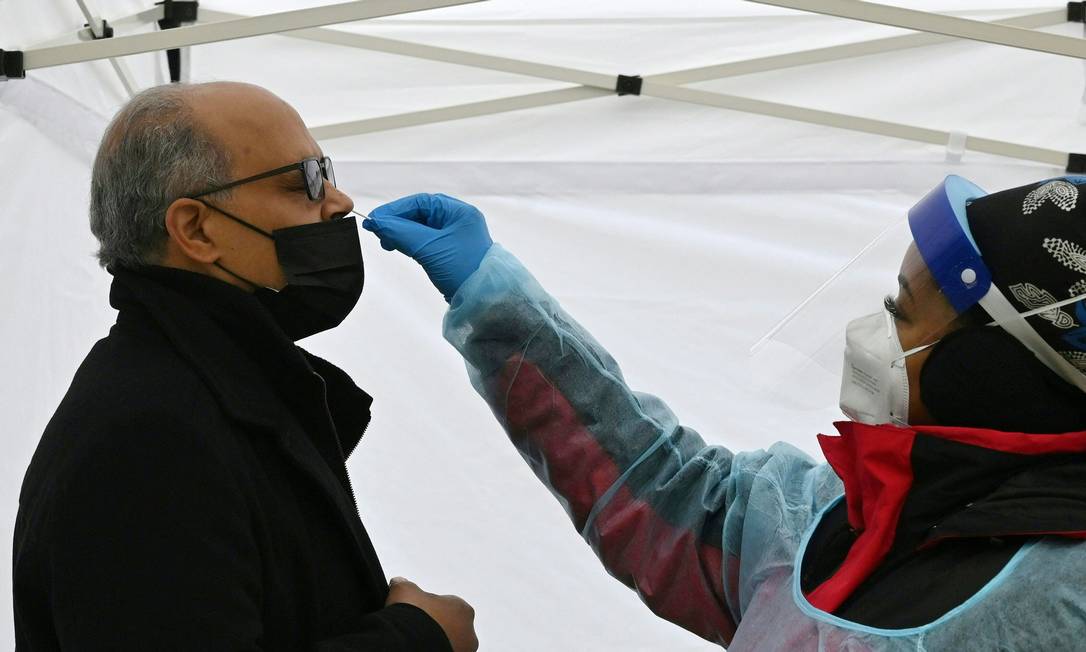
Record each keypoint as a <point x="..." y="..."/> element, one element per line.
<point x="445" y="235"/>
<point x="454" y="615"/>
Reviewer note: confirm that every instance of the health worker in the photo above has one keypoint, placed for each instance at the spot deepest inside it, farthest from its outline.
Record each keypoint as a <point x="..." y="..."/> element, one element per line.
<point x="951" y="512"/>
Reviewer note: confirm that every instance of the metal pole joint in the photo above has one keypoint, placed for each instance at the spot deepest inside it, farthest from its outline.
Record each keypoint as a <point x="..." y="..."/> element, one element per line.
<point x="174" y="14"/>
<point x="177" y="12"/>
<point x="11" y="65"/>
<point x="99" y="28"/>
<point x="628" y="85"/>
<point x="1076" y="12"/>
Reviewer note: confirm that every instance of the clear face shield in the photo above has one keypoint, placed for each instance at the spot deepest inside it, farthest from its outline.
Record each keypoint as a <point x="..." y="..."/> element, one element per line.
<point x="847" y="344"/>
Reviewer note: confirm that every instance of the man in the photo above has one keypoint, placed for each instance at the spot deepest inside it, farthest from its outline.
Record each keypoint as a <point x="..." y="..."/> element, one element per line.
<point x="191" y="493"/>
<point x="951" y="513"/>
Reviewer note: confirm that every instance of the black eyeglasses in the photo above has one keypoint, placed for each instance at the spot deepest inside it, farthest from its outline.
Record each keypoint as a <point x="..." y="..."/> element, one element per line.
<point x="314" y="170"/>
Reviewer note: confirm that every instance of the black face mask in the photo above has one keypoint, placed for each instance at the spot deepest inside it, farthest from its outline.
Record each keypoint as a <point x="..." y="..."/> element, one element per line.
<point x="322" y="263"/>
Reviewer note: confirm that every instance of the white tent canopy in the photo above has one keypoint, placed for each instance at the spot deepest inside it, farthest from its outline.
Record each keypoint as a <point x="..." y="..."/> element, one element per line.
<point x="677" y="230"/>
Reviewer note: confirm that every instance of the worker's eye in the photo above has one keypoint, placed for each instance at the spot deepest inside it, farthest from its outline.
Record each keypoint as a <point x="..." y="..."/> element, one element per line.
<point x="890" y="303"/>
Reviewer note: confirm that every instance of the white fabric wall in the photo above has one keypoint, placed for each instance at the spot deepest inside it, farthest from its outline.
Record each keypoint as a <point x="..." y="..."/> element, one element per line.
<point x="677" y="234"/>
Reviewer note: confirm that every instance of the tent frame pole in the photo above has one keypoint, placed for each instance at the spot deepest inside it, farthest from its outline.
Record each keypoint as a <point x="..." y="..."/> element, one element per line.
<point x="838" y="52"/>
<point x="227" y="30"/>
<point x="588" y="84"/>
<point x="592" y="84"/>
<point x="926" y="21"/>
<point x="95" y="26"/>
<point x="848" y="122"/>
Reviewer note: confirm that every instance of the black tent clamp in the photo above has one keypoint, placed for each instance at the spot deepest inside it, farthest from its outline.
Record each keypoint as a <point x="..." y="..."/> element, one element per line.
<point x="11" y="61"/>
<point x="105" y="29"/>
<point x="628" y="85"/>
<point x="174" y="14"/>
<point x="1076" y="163"/>
<point x="1076" y="12"/>
<point x="11" y="65"/>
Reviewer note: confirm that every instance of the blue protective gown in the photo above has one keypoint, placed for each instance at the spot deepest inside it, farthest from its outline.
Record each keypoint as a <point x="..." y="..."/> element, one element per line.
<point x="709" y="539"/>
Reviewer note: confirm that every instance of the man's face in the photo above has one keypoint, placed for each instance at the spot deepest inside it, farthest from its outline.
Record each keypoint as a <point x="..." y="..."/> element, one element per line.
<point x="923" y="316"/>
<point x="261" y="133"/>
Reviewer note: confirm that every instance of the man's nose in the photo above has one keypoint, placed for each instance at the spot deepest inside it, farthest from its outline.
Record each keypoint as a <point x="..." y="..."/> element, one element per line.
<point x="336" y="203"/>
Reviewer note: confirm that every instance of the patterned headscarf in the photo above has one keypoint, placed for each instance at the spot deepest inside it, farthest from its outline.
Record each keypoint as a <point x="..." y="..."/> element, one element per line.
<point x="1033" y="239"/>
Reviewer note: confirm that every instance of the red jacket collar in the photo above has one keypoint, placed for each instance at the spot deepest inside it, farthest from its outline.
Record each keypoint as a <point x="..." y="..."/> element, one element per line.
<point x="875" y="465"/>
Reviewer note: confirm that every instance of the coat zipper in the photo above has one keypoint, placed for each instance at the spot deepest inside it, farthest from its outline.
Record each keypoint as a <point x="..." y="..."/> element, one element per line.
<point x="328" y="416"/>
<point x="346" y="473"/>
<point x="366" y="427"/>
<point x="365" y="558"/>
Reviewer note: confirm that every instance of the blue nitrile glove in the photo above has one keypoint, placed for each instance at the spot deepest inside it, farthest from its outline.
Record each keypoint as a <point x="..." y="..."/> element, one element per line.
<point x="445" y="235"/>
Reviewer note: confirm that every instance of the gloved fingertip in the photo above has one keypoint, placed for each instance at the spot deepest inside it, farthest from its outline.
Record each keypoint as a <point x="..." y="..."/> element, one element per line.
<point x="387" y="246"/>
<point x="369" y="224"/>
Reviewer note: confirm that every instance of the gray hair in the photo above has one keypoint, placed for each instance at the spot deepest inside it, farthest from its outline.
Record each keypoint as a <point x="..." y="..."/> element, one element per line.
<point x="153" y="152"/>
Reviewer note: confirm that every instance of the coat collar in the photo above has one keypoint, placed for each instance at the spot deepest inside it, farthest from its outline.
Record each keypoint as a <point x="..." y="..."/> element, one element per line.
<point x="180" y="305"/>
<point x="259" y="377"/>
<point x="909" y="488"/>
<point x="250" y="365"/>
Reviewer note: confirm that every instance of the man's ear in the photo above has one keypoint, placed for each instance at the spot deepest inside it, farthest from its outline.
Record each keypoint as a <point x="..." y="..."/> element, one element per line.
<point x="185" y="220"/>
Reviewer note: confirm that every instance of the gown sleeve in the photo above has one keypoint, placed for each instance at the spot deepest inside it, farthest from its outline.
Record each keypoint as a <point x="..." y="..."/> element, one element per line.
<point x="681" y="522"/>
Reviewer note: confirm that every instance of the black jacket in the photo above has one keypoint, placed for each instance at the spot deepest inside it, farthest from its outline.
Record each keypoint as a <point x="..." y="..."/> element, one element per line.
<point x="951" y="505"/>
<point x="190" y="492"/>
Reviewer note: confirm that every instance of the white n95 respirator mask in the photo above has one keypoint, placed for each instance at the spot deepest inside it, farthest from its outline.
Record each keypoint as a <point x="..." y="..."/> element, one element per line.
<point x="874" y="383"/>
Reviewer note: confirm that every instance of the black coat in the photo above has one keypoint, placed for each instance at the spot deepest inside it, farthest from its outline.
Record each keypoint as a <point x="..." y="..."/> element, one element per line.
<point x="190" y="492"/>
